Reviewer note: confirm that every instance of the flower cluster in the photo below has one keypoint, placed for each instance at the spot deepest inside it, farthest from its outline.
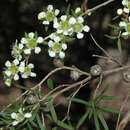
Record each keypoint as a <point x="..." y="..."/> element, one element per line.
<point x="49" y="15"/>
<point x="65" y="26"/>
<point x="125" y="23"/>
<point x="20" y="116"/>
<point x="20" y="51"/>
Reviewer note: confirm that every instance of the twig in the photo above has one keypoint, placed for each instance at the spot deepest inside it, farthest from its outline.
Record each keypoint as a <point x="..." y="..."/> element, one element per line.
<point x="97" y="7"/>
<point x="105" y="52"/>
<point x="121" y="109"/>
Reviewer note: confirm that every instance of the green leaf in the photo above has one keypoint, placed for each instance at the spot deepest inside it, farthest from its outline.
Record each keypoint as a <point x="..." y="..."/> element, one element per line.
<point x="45" y="43"/>
<point x="80" y="101"/>
<point x="33" y="124"/>
<point x="90" y="114"/>
<point x="29" y="126"/>
<point x="111" y="37"/>
<point x="22" y="87"/>
<point x="46" y="28"/>
<point x="116" y="17"/>
<point x="40" y="123"/>
<point x="109" y="109"/>
<point x="50" y="83"/>
<point x="68" y="10"/>
<point x="52" y="110"/>
<point x="119" y="45"/>
<point x="82" y="119"/>
<point x="96" y="121"/>
<point x="105" y="89"/>
<point x="69" y="39"/>
<point x="100" y="116"/>
<point x="64" y="125"/>
<point x="113" y="26"/>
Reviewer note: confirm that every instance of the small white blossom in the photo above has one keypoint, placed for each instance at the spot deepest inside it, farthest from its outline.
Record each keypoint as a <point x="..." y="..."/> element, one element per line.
<point x="86" y="28"/>
<point x="27" y="51"/>
<point x="31" y="66"/>
<point x="8" y="82"/>
<point x="14" y="123"/>
<point x="57" y="11"/>
<point x="63" y="17"/>
<point x="37" y="50"/>
<point x="64" y="46"/>
<point x="24" y="40"/>
<point x="122" y="24"/>
<point x="7" y="64"/>
<point x="50" y="8"/>
<point x="80" y="19"/>
<point x="45" y="22"/>
<point x="16" y="77"/>
<point x="125" y="33"/>
<point x="8" y="73"/>
<point x="126" y="10"/>
<point x="80" y="35"/>
<point x="27" y="115"/>
<point x="32" y="74"/>
<point x="20" y="46"/>
<point x="31" y="35"/>
<point x="41" y="15"/>
<point x="16" y="62"/>
<point x="78" y="10"/>
<point x="51" y="53"/>
<point x="61" y="54"/>
<point x="72" y="20"/>
<point x="39" y="40"/>
<point x="119" y="11"/>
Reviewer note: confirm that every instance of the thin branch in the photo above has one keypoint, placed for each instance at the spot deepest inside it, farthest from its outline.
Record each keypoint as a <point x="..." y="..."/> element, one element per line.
<point x="97" y="7"/>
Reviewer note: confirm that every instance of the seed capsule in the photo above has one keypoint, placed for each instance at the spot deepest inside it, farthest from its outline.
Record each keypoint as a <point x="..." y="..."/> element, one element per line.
<point x="96" y="70"/>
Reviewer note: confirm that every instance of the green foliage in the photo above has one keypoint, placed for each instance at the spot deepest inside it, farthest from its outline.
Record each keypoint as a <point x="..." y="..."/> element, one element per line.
<point x="50" y="83"/>
<point x="94" y="109"/>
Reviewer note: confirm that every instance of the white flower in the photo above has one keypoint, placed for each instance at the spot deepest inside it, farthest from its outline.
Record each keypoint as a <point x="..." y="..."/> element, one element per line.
<point x="51" y="53"/>
<point x="125" y="33"/>
<point x="64" y="46"/>
<point x="80" y="19"/>
<point x="39" y="40"/>
<point x="119" y="11"/>
<point x="86" y="28"/>
<point x="59" y="31"/>
<point x="27" y="115"/>
<point x="57" y="11"/>
<point x="31" y="66"/>
<point x="15" y="123"/>
<point x="77" y="10"/>
<point x="20" y="46"/>
<point x="61" y="54"/>
<point x="41" y="15"/>
<point x="24" y="40"/>
<point x="57" y="39"/>
<point x="50" y="43"/>
<point x="126" y="10"/>
<point x="31" y="35"/>
<point x="72" y="20"/>
<point x="8" y="73"/>
<point x="13" y="115"/>
<point x="16" y="77"/>
<point x="8" y="82"/>
<point x="37" y="50"/>
<point x="63" y="17"/>
<point x="7" y="64"/>
<point x="16" y="61"/>
<point x="80" y="35"/>
<point x="27" y="51"/>
<point x="45" y="22"/>
<point x="122" y="24"/>
<point x="50" y="8"/>
<point x="32" y="74"/>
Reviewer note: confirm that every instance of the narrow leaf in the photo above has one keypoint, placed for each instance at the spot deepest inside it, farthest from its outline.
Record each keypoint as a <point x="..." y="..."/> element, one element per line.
<point x="82" y="119"/>
<point x="119" y="45"/>
<point x="111" y="37"/>
<point x="96" y="121"/>
<point x="100" y="116"/>
<point x="50" y="83"/>
<point x="52" y="110"/>
<point x="29" y="126"/>
<point x="109" y="109"/>
<point x="80" y="101"/>
<point x="40" y="122"/>
<point x="68" y="10"/>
